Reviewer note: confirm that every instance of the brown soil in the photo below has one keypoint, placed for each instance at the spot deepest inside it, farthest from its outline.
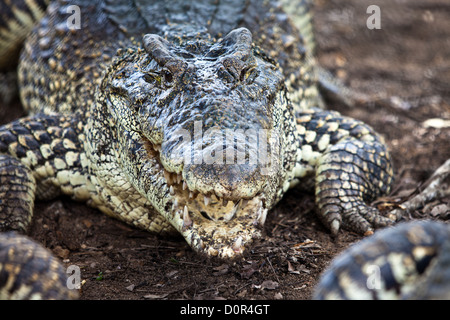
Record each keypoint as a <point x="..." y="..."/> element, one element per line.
<point x="408" y="58"/>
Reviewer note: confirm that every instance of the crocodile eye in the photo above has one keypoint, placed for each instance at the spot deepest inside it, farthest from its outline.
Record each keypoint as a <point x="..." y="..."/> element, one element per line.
<point x="248" y="74"/>
<point x="149" y="78"/>
<point x="163" y="78"/>
<point x="168" y="77"/>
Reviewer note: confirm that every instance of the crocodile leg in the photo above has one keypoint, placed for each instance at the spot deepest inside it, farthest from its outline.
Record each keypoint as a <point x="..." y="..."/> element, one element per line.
<point x="39" y="158"/>
<point x="350" y="167"/>
<point x="17" y="188"/>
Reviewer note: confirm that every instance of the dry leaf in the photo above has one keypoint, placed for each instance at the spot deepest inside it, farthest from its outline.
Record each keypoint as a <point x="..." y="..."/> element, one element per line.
<point x="269" y="285"/>
<point x="156" y="296"/>
<point x="291" y="269"/>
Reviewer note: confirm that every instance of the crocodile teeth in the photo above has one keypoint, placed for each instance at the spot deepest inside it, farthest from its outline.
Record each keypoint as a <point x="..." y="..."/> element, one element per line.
<point x="233" y="211"/>
<point x="237" y="244"/>
<point x="258" y="216"/>
<point x="187" y="222"/>
<point x="262" y="218"/>
<point x="167" y="176"/>
<point x="184" y="185"/>
<point x="171" y="190"/>
<point x="229" y="215"/>
<point x="179" y="178"/>
<point x="207" y="200"/>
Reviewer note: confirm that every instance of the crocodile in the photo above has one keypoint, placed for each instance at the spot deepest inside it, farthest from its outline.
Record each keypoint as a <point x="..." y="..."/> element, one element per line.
<point x="30" y="271"/>
<point x="191" y="118"/>
<point x="410" y="261"/>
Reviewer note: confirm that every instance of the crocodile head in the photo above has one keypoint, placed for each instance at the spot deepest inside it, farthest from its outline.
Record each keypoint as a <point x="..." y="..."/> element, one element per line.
<point x="202" y="123"/>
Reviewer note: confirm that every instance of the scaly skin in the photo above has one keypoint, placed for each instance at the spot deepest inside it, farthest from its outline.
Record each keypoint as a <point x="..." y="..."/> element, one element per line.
<point x="176" y="118"/>
<point x="408" y="261"/>
<point x="29" y="271"/>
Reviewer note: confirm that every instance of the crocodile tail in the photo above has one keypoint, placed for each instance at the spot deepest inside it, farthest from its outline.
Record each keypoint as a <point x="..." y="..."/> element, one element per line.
<point x="29" y="271"/>
<point x="300" y="11"/>
<point x="17" y="18"/>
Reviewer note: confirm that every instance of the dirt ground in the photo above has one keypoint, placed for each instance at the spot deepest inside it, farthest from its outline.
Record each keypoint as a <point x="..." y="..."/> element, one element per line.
<point x="407" y="62"/>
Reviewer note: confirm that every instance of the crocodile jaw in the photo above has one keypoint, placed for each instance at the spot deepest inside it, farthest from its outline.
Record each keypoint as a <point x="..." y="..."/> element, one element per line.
<point x="210" y="224"/>
<point x="225" y="238"/>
